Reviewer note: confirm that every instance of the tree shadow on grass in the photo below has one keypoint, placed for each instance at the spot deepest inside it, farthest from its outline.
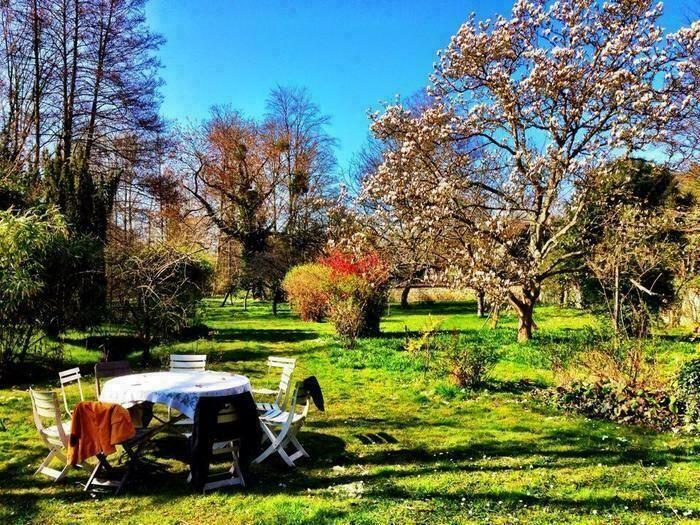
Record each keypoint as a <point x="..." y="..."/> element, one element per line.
<point x="117" y="343"/>
<point x="678" y="338"/>
<point x="261" y="335"/>
<point x="254" y="356"/>
<point x="436" y="309"/>
<point x="380" y="467"/>
<point x="520" y="386"/>
<point x="504" y="502"/>
<point x="555" y="451"/>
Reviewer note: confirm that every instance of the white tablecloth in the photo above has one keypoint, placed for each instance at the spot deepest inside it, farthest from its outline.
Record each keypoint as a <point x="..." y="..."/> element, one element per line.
<point x="179" y="390"/>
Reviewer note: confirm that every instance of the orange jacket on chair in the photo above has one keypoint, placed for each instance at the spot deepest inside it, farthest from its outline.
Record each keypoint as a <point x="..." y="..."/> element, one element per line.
<point x="96" y="428"/>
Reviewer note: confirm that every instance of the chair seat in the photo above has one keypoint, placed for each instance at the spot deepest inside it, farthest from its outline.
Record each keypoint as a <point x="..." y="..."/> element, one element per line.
<point x="53" y="429"/>
<point x="266" y="408"/>
<point x="140" y="433"/>
<point x="265" y="391"/>
<point x="280" y="418"/>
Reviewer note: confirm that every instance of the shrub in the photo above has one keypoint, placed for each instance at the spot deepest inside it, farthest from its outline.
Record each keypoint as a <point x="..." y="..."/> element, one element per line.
<point x="73" y="295"/>
<point x="363" y="277"/>
<point x="606" y="399"/>
<point x="157" y="289"/>
<point x="626" y="362"/>
<point x="25" y="240"/>
<point x="348" y="318"/>
<point x="688" y="381"/>
<point x="689" y="378"/>
<point x="425" y="347"/>
<point x="470" y="363"/>
<point x="308" y="287"/>
<point x="341" y="284"/>
<point x="467" y="359"/>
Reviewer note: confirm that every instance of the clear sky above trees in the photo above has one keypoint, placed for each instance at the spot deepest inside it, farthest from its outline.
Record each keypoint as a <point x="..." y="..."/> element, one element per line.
<point x="350" y="54"/>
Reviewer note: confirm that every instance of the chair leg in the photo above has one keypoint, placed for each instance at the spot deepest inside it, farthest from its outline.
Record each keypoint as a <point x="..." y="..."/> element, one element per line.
<point x="285" y="457"/>
<point x="63" y="472"/>
<point x="44" y="468"/>
<point x="236" y="468"/>
<point x="122" y="482"/>
<point x="47" y="460"/>
<point x="277" y="445"/>
<point x="92" y="476"/>
<point x="103" y="465"/>
<point x="267" y="433"/>
<point x="60" y="455"/>
<point x="235" y="473"/>
<point x="265" y="454"/>
<point x="295" y="442"/>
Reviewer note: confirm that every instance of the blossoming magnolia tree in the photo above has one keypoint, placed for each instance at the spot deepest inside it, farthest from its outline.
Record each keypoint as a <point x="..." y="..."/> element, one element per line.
<point x="526" y="111"/>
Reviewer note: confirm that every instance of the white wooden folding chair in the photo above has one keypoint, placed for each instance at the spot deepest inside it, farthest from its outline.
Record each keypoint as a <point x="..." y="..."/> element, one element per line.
<point x="281" y="393"/>
<point x="66" y="377"/>
<point x="55" y="435"/>
<point x="281" y="428"/>
<point x="233" y="475"/>
<point x="188" y="363"/>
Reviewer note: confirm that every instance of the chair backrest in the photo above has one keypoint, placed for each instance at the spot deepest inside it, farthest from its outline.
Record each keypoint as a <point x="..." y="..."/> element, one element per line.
<point x="283" y="392"/>
<point x="224" y="428"/>
<point x="287" y="365"/>
<point x="110" y="369"/>
<point x="224" y="437"/>
<point x="45" y="406"/>
<point x="188" y="363"/>
<point x="300" y="399"/>
<point x="281" y="361"/>
<point x="226" y="415"/>
<point x="71" y="375"/>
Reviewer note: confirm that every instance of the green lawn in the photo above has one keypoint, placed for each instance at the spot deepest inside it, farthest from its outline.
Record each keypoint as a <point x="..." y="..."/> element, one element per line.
<point x="394" y="446"/>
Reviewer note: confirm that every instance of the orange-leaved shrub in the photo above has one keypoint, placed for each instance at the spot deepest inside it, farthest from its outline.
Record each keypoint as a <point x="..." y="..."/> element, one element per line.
<point x="308" y="289"/>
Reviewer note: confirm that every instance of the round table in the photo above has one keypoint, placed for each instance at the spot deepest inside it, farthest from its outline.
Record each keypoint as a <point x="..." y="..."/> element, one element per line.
<point x="178" y="390"/>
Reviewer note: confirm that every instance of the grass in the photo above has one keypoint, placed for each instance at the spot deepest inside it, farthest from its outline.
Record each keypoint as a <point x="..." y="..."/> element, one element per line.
<point x="395" y="445"/>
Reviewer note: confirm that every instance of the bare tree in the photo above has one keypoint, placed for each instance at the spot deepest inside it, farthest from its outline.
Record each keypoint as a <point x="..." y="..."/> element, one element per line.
<point x="265" y="185"/>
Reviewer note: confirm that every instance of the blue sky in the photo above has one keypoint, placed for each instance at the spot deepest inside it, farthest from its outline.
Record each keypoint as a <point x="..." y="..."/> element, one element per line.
<point x="351" y="54"/>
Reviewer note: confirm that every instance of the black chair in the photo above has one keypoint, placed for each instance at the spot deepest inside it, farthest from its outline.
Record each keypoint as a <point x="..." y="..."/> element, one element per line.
<point x="110" y="369"/>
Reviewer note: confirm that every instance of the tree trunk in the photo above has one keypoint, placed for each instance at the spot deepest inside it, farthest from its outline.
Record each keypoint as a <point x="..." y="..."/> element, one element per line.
<point x="616" y="300"/>
<point x="277" y="298"/>
<point x="525" y="324"/>
<point x="105" y="35"/>
<point x="228" y="294"/>
<point x="523" y="302"/>
<point x="404" y="296"/>
<point x="69" y="80"/>
<point x="37" y="85"/>
<point x="480" y="303"/>
<point x="245" y="300"/>
<point x="495" y="314"/>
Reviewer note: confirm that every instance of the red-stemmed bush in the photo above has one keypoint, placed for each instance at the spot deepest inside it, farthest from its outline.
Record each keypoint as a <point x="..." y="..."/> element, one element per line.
<point x="351" y="289"/>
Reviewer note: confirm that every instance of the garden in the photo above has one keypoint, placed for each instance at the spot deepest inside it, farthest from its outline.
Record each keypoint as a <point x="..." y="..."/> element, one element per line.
<point x="479" y="305"/>
<point x="397" y="444"/>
